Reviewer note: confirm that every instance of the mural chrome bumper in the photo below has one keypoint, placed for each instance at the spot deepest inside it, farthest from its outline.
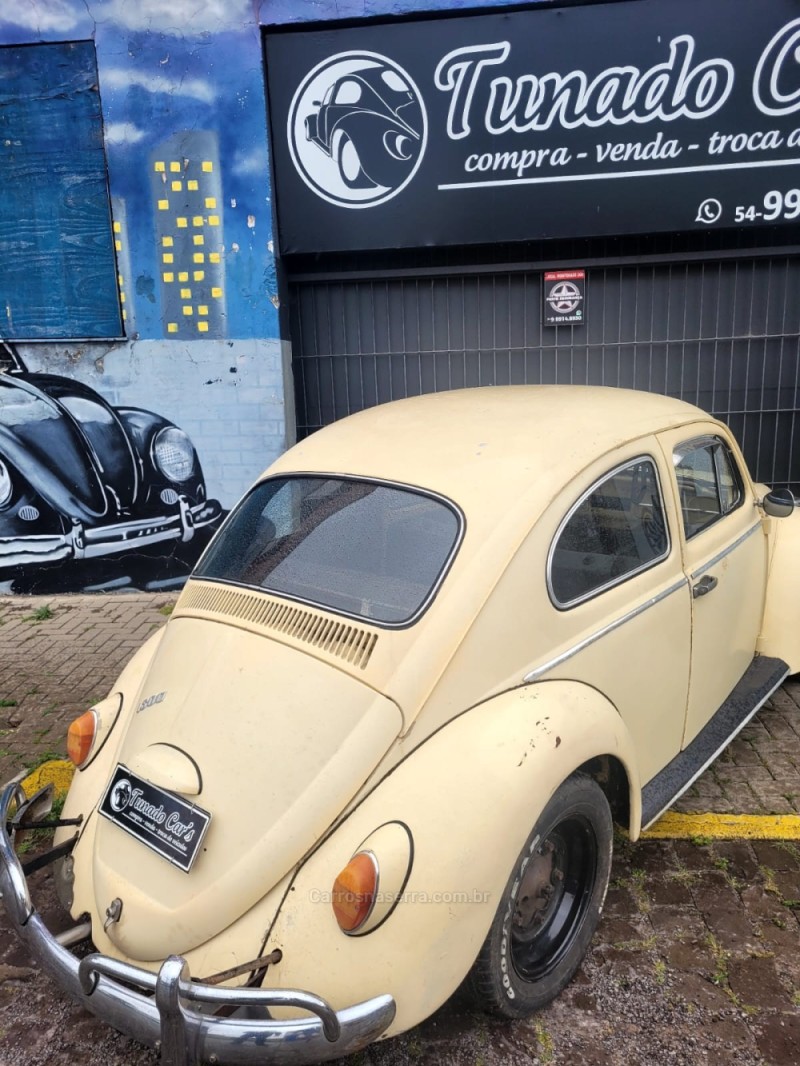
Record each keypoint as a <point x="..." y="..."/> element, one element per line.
<point x="97" y="541"/>
<point x="163" y="1010"/>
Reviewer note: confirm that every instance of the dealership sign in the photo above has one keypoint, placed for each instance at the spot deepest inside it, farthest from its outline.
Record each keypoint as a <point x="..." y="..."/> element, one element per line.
<point x="564" y="297"/>
<point x="631" y="117"/>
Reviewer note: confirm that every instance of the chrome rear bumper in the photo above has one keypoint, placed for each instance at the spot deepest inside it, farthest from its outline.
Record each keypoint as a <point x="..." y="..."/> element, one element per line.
<point x="159" y="1009"/>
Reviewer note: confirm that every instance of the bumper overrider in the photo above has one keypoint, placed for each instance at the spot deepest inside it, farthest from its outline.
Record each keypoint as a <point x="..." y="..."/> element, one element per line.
<point x="82" y="542"/>
<point x="168" y="1010"/>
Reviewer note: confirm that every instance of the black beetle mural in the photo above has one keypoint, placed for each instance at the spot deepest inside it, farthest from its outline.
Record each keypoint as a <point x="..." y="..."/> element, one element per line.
<point x="93" y="495"/>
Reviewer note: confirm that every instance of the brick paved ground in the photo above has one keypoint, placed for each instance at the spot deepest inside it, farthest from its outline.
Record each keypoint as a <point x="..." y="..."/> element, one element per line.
<point x="696" y="959"/>
<point x="759" y="772"/>
<point x="59" y="655"/>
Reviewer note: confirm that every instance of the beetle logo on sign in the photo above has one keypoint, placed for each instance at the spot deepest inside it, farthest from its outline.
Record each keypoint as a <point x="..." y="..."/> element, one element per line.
<point x="357" y="129"/>
<point x="121" y="794"/>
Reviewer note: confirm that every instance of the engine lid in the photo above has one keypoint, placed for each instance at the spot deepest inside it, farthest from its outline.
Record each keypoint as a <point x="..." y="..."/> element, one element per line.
<point x="281" y="742"/>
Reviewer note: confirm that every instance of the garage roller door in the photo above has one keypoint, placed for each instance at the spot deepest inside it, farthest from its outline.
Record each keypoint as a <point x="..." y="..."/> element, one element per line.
<point x="724" y="335"/>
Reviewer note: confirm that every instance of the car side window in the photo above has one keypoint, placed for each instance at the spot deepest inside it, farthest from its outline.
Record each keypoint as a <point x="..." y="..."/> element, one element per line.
<point x="709" y="483"/>
<point x="615" y="530"/>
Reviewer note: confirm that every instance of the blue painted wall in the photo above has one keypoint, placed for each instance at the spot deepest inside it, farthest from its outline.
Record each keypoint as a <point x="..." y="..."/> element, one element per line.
<point x="165" y="70"/>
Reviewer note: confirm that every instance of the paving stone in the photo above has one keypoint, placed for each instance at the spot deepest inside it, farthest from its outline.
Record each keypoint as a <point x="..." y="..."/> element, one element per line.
<point x="739" y="856"/>
<point x="700" y="991"/>
<point x="691" y="956"/>
<point x="668" y="891"/>
<point x="677" y="922"/>
<point x="732" y="929"/>
<point x="778" y="1037"/>
<point x="761" y="904"/>
<point x="755" y="983"/>
<point x="777" y="855"/>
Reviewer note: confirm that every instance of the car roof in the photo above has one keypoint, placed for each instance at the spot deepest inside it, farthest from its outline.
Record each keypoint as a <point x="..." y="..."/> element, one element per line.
<point x="502" y="453"/>
<point x="459" y="442"/>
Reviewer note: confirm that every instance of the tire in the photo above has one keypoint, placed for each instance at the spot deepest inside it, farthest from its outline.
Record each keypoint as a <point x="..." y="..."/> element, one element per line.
<point x="551" y="904"/>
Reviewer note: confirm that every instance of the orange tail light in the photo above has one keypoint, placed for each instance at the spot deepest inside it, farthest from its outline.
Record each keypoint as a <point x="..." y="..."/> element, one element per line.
<point x="354" y="891"/>
<point x="80" y="737"/>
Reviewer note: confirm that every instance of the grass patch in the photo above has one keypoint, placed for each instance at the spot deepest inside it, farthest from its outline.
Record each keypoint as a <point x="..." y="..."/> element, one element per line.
<point x="8" y="703"/>
<point x="545" y="1042"/>
<point x="645" y="944"/>
<point x="770" y="884"/>
<point x="720" y="975"/>
<point x="41" y="614"/>
<point x="638" y="890"/>
<point x="167" y="609"/>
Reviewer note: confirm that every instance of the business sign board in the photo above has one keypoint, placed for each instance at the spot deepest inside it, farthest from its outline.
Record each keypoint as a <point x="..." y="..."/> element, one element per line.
<point x="630" y="117"/>
<point x="564" y="297"/>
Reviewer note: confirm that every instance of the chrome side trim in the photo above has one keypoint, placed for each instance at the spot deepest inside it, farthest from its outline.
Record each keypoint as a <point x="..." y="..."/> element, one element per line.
<point x="721" y="748"/>
<point x="156" y="1008"/>
<point x="726" y="551"/>
<point x="539" y="670"/>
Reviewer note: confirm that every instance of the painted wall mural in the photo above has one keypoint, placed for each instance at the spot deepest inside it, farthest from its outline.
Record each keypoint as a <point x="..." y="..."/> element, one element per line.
<point x="83" y="483"/>
<point x="57" y="274"/>
<point x="158" y="307"/>
<point x="166" y="318"/>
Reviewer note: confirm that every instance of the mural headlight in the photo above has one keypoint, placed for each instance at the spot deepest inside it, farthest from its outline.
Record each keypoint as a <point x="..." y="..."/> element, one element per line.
<point x="6" y="486"/>
<point x="173" y="454"/>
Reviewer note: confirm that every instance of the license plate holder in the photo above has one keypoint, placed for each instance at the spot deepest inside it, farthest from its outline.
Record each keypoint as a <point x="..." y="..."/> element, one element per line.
<point x="162" y="821"/>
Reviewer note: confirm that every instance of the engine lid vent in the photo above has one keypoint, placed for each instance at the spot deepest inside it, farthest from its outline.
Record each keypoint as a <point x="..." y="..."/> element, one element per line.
<point x="259" y="611"/>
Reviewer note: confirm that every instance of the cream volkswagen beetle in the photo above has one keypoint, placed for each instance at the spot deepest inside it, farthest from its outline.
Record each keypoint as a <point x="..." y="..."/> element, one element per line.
<point x="377" y="750"/>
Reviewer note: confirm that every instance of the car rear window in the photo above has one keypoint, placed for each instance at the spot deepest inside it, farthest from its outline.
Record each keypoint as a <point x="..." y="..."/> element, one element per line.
<point x="362" y="548"/>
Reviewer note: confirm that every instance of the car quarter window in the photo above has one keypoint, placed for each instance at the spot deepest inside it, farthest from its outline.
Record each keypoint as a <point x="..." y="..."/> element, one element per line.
<point x="709" y="482"/>
<point x="615" y="530"/>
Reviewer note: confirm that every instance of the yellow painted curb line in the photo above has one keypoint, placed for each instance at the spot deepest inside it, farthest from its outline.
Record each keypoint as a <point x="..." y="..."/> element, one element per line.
<point x="57" y="771"/>
<point x="673" y="825"/>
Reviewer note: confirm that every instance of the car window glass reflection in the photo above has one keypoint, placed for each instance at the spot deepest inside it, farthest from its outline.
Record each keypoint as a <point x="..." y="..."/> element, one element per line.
<point x="616" y="530"/>
<point x="708" y="483"/>
<point x="359" y="547"/>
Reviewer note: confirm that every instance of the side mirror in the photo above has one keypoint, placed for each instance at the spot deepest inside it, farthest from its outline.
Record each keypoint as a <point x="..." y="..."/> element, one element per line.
<point x="779" y="503"/>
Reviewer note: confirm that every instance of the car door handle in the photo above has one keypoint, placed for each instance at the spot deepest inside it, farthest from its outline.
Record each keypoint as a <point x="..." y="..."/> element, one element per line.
<point x="704" y="586"/>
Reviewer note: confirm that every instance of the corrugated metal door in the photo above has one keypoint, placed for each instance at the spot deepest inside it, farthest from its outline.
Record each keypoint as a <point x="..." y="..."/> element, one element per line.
<point x="724" y="335"/>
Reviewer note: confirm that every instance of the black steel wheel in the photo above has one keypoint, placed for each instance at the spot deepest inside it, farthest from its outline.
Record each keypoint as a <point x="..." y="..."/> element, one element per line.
<point x="551" y="905"/>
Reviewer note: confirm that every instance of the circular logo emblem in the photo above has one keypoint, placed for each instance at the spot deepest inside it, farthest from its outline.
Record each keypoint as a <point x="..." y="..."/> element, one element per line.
<point x="120" y="794"/>
<point x="564" y="297"/>
<point x="357" y="129"/>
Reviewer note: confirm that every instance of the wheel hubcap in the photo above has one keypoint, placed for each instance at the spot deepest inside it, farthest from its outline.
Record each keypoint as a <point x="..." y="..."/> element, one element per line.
<point x="552" y="898"/>
<point x="539" y="892"/>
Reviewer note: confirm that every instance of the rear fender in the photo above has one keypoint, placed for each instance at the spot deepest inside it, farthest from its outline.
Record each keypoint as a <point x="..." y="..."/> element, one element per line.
<point x="780" y="629"/>
<point x="88" y="785"/>
<point x="469" y="796"/>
